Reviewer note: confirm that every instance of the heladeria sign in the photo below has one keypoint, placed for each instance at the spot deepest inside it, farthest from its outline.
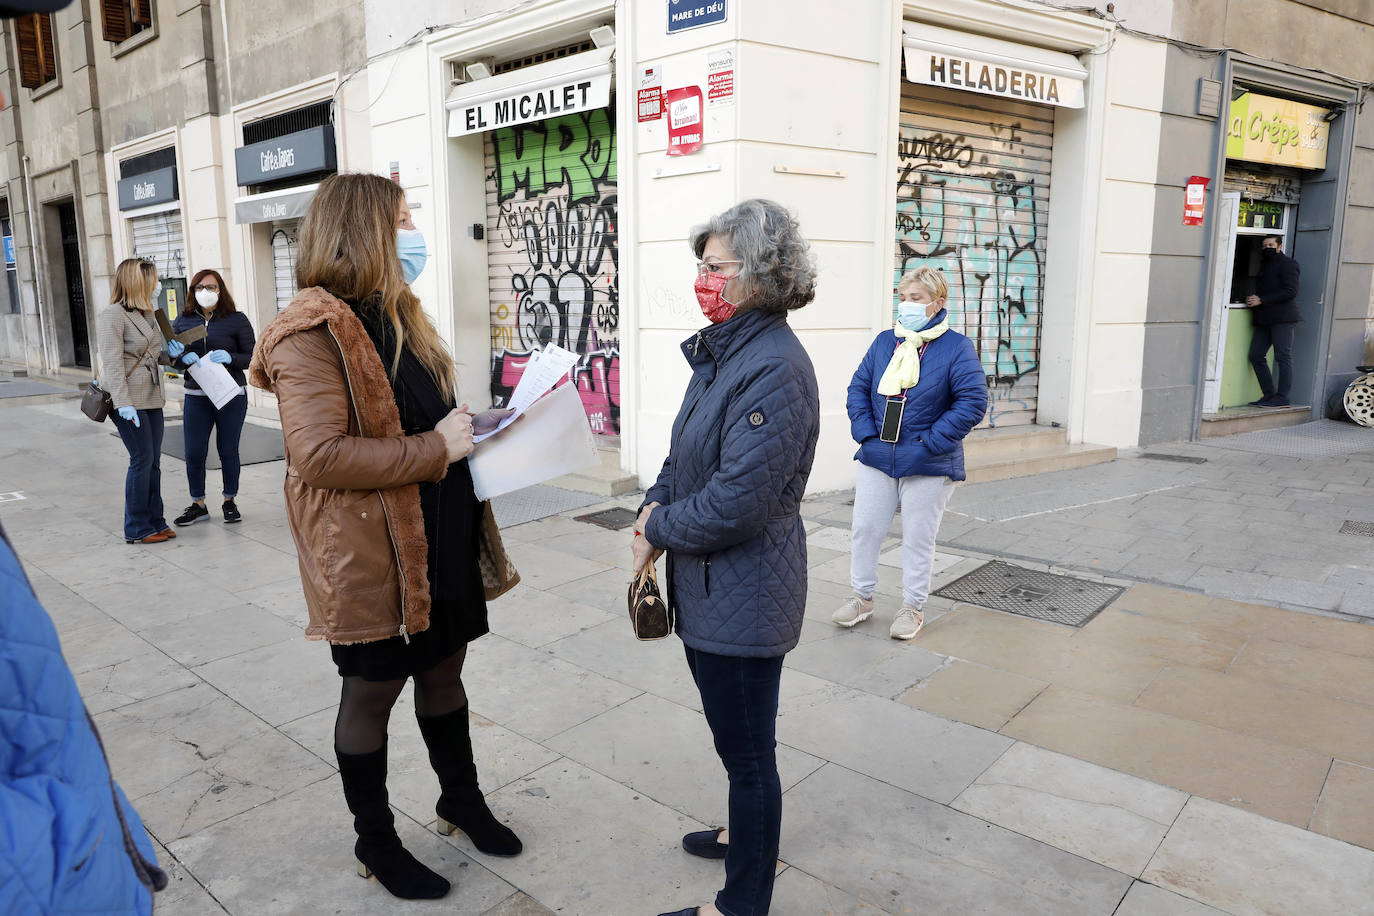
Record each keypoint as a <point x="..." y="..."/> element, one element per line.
<point x="533" y="94"/>
<point x="975" y="63"/>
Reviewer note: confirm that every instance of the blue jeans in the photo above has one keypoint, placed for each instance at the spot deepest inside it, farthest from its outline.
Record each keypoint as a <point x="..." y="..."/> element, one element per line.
<point x="199" y="416"/>
<point x="740" y="699"/>
<point x="143" y="483"/>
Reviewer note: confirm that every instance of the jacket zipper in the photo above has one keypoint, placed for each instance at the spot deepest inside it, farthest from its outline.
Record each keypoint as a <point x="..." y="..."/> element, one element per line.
<point x="353" y="403"/>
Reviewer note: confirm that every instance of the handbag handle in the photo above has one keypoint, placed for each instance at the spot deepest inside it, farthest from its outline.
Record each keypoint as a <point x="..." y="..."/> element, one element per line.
<point x="646" y="572"/>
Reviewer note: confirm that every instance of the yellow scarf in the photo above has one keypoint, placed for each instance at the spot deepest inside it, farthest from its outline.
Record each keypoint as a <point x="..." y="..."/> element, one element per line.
<point x="904" y="370"/>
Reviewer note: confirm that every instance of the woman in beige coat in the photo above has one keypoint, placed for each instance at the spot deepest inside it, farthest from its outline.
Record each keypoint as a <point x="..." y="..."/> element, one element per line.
<point x="131" y="349"/>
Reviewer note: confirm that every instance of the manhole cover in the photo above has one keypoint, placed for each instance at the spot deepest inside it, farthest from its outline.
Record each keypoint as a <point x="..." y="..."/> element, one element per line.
<point x="1358" y="528"/>
<point x="616" y="519"/>
<point x="1183" y="459"/>
<point x="1031" y="593"/>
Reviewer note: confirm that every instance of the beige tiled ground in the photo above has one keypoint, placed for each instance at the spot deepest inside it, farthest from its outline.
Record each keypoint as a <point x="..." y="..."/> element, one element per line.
<point x="1347" y="800"/>
<point x="1269" y="778"/>
<point x="982" y="696"/>
<point x="1268" y="710"/>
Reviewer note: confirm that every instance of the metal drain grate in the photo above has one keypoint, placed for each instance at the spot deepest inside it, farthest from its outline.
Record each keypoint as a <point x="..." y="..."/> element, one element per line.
<point x="1182" y="459"/>
<point x="1364" y="529"/>
<point x="616" y="519"/>
<point x="1031" y="593"/>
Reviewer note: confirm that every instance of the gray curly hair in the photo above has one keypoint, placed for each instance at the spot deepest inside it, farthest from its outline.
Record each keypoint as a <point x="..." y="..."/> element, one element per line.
<point x="775" y="261"/>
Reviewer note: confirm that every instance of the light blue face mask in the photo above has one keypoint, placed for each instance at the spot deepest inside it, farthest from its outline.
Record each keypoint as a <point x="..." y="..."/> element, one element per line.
<point x="157" y="292"/>
<point x="410" y="246"/>
<point x="912" y="315"/>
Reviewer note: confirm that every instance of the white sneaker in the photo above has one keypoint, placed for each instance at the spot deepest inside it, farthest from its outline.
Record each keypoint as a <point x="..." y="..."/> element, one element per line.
<point x="855" y="610"/>
<point x="908" y="623"/>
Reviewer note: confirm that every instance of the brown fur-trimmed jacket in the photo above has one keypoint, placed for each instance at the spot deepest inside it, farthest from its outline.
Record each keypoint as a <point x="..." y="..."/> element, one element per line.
<point x="352" y="495"/>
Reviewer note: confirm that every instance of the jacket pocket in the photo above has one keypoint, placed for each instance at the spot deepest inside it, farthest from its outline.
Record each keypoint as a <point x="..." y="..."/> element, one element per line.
<point x="359" y="557"/>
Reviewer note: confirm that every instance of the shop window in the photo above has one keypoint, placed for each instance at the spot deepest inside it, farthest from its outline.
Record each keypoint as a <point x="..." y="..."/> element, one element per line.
<point x="33" y="36"/>
<point x="120" y="20"/>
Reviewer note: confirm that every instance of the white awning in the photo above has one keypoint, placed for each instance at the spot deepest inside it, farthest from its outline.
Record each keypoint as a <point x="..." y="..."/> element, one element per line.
<point x="991" y="66"/>
<point x="287" y="203"/>
<point x="579" y="82"/>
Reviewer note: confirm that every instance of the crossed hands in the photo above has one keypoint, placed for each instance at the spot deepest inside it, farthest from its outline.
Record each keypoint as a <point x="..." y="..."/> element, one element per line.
<point x="640" y="548"/>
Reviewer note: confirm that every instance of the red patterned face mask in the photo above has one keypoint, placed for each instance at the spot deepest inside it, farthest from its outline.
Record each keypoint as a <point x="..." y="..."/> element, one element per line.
<point x="710" y="290"/>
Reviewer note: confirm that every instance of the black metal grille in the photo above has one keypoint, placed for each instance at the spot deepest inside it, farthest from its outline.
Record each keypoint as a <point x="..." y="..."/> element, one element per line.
<point x="1182" y="459"/>
<point x="317" y="114"/>
<point x="1360" y="529"/>
<point x="148" y="162"/>
<point x="540" y="57"/>
<point x="616" y="519"/>
<point x="1032" y="593"/>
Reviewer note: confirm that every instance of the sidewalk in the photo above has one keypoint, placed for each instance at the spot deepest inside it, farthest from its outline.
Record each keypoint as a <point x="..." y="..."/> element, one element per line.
<point x="1194" y="749"/>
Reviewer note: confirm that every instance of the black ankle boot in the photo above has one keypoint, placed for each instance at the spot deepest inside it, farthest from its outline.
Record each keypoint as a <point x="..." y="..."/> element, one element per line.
<point x="379" y="850"/>
<point x="461" y="805"/>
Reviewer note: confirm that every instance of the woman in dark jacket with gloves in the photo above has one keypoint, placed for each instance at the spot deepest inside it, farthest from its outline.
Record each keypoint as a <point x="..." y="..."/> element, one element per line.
<point x="726" y="507"/>
<point x="918" y="392"/>
<point x="228" y="341"/>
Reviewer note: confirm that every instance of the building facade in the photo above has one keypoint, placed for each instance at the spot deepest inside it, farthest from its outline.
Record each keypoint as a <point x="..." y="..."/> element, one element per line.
<point x="1094" y="183"/>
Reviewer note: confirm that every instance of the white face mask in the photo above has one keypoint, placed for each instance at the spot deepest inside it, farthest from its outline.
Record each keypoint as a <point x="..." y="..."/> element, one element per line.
<point x="207" y="299"/>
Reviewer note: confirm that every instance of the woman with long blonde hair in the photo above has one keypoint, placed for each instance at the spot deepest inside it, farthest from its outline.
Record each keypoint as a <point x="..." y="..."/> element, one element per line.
<point x="381" y="505"/>
<point x="131" y="352"/>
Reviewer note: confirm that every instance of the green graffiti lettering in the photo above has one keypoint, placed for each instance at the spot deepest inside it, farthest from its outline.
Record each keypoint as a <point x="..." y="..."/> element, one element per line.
<point x="574" y="150"/>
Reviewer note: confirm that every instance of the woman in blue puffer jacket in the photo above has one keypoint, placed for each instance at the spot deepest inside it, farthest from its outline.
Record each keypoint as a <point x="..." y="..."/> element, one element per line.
<point x="918" y="392"/>
<point x="70" y="842"/>
<point x="727" y="508"/>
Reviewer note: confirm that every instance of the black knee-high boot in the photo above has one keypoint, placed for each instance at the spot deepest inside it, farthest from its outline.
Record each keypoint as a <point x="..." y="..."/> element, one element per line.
<point x="461" y="804"/>
<point x="379" y="850"/>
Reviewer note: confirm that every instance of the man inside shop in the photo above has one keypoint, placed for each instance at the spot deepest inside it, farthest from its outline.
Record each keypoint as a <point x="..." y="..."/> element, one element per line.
<point x="1275" y="317"/>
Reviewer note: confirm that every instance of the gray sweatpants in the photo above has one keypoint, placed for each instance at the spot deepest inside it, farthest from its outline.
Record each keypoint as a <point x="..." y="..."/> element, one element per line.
<point x="876" y="497"/>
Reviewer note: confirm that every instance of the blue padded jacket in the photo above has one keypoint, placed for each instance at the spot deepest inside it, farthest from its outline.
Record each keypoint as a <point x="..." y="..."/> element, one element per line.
<point x="950" y="399"/>
<point x="731" y="489"/>
<point x="70" y="842"/>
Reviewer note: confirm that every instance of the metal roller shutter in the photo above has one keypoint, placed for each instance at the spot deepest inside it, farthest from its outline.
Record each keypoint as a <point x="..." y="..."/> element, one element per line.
<point x="285" y="236"/>
<point x="973" y="193"/>
<point x="552" y="255"/>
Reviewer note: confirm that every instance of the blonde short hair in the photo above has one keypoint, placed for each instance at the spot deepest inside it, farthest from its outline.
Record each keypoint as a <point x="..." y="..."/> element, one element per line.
<point x="135" y="280"/>
<point x="929" y="279"/>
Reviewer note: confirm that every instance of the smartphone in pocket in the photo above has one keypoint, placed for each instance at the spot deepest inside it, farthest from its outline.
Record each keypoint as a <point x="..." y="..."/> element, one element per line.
<point x="892" y="419"/>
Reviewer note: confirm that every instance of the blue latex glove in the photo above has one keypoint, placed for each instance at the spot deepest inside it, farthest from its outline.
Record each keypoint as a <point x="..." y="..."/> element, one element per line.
<point x="175" y="348"/>
<point x="219" y="356"/>
<point x="190" y="358"/>
<point x="129" y="414"/>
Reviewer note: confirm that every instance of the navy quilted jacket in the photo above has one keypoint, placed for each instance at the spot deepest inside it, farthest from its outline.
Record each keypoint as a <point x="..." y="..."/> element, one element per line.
<point x="732" y="487"/>
<point x="70" y="842"/>
<point x="950" y="399"/>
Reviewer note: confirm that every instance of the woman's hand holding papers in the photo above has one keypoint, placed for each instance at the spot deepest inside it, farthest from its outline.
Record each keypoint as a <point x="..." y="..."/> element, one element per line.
<point x="488" y="420"/>
<point x="456" y="428"/>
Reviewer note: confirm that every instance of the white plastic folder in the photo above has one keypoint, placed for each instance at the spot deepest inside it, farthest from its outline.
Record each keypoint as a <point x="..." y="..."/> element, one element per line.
<point x="553" y="438"/>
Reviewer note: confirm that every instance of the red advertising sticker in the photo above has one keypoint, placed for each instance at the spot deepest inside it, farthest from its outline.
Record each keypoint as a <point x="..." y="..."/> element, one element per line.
<point x="1195" y="201"/>
<point x="650" y="97"/>
<point x="684" y="120"/>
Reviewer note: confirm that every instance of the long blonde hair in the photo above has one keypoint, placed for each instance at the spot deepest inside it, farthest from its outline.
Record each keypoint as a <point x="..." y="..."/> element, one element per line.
<point x="348" y="247"/>
<point x="135" y="280"/>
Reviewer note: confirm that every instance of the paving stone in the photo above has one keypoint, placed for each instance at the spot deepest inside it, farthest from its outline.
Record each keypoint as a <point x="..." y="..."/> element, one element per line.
<point x="542" y="567"/>
<point x="519" y="905"/>
<point x="978" y="695"/>
<point x="1293" y="591"/>
<point x="920" y="857"/>
<point x="527" y="616"/>
<point x="798" y="894"/>
<point x="1147" y="900"/>
<point x="220" y="633"/>
<point x="183" y="895"/>
<point x="295" y="855"/>
<point x="280" y="682"/>
<point x="1102" y="815"/>
<point x="665" y="752"/>
<point x="1346" y="810"/>
<point x="909" y="748"/>
<point x="1320" y="671"/>
<point x="1192" y="644"/>
<point x="1245" y="864"/>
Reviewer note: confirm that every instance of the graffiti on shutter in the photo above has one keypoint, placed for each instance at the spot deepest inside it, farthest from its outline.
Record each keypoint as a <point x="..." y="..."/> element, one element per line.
<point x="285" y="236"/>
<point x="973" y="190"/>
<point x="552" y="255"/>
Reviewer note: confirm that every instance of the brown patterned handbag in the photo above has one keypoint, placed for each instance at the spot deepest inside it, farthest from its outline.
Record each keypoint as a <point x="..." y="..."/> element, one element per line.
<point x="498" y="572"/>
<point x="649" y="613"/>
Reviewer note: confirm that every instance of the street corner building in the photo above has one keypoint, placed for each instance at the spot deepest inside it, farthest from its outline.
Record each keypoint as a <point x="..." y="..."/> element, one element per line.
<point x="1094" y="183"/>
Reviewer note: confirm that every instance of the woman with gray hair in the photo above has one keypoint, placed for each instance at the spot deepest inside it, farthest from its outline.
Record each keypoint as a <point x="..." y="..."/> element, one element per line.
<point x="726" y="508"/>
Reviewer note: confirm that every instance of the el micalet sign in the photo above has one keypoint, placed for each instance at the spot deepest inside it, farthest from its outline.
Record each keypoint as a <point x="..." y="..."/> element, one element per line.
<point x="1276" y="131"/>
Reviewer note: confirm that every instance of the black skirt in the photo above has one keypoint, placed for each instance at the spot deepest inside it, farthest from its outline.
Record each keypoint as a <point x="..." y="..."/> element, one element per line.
<point x="453" y="519"/>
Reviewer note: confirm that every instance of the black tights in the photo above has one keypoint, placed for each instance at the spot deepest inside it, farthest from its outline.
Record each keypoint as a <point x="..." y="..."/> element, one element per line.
<point x="365" y="706"/>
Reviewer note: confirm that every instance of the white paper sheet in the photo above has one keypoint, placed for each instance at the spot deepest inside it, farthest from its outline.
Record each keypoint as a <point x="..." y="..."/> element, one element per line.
<point x="553" y="439"/>
<point x="219" y="386"/>
<point x="542" y="372"/>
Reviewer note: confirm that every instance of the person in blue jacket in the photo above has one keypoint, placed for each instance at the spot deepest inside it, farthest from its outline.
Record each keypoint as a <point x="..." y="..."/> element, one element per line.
<point x="918" y="392"/>
<point x="70" y="842"/>
<point x="228" y="341"/>
<point x="726" y="507"/>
